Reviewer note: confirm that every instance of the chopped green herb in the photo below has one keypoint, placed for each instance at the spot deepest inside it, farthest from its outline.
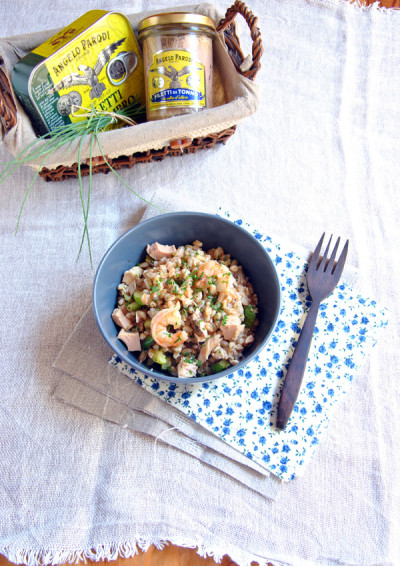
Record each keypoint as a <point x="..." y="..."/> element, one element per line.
<point x="190" y="359"/>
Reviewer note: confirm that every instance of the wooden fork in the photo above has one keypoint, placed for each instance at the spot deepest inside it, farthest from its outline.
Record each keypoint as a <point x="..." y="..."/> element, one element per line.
<point x="322" y="278"/>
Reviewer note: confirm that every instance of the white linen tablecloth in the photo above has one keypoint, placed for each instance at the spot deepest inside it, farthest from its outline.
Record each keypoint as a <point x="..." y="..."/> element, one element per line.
<point x="321" y="154"/>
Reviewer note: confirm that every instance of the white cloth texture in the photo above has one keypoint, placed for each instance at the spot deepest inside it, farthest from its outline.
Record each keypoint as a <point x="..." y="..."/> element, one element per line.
<point x="320" y="154"/>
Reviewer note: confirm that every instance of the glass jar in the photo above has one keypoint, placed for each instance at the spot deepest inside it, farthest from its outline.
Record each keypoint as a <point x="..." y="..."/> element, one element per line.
<point x="178" y="63"/>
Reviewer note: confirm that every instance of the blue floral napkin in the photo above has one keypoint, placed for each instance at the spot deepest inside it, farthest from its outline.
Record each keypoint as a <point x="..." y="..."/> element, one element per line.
<point x="241" y="408"/>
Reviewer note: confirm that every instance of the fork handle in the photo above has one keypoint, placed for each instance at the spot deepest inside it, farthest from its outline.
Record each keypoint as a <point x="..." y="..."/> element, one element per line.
<point x="294" y="375"/>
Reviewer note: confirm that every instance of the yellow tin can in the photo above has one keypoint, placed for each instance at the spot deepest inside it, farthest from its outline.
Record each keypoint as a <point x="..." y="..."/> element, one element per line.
<point x="95" y="60"/>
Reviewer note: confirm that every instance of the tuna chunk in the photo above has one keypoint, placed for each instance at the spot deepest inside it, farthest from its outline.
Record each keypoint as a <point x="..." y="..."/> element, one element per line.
<point x="199" y="327"/>
<point x="120" y="319"/>
<point x="208" y="347"/>
<point x="232" y="328"/>
<point x="186" y="369"/>
<point x="145" y="298"/>
<point x="131" y="340"/>
<point x="158" y="251"/>
<point x="132" y="274"/>
<point x="239" y="276"/>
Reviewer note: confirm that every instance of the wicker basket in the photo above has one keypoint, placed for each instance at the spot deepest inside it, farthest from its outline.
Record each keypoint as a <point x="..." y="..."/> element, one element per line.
<point x="178" y="147"/>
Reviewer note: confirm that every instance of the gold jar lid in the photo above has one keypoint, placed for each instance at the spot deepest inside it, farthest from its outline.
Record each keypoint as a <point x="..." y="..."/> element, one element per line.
<point x="176" y="18"/>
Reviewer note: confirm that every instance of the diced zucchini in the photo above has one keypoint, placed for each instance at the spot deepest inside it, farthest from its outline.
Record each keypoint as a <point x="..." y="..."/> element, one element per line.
<point x="147" y="324"/>
<point x="148" y="341"/>
<point x="249" y="316"/>
<point x="137" y="295"/>
<point x="159" y="357"/>
<point x="219" y="366"/>
<point x="134" y="306"/>
<point x="166" y="365"/>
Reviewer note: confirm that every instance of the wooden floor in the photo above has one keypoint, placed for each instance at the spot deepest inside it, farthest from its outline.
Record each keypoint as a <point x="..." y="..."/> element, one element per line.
<point x="171" y="554"/>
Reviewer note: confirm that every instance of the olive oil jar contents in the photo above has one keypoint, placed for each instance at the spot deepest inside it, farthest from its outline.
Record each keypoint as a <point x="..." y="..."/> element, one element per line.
<point x="178" y="63"/>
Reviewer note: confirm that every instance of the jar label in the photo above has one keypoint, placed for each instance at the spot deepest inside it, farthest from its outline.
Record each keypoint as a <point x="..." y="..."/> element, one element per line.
<point x="175" y="79"/>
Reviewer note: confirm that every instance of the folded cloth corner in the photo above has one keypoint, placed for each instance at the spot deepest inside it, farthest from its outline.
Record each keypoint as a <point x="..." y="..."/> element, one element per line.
<point x="90" y="384"/>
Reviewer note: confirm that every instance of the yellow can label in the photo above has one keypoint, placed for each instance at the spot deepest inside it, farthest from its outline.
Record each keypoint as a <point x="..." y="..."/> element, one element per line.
<point x="70" y="32"/>
<point x="175" y="79"/>
<point x="96" y="60"/>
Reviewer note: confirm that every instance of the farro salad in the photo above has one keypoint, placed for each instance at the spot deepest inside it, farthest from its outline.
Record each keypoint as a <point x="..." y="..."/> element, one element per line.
<point x="187" y="311"/>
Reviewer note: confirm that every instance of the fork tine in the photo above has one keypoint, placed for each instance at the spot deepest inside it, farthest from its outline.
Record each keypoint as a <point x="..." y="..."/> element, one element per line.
<point x="331" y="263"/>
<point x="340" y="263"/>
<point x="314" y="258"/>
<point x="325" y="256"/>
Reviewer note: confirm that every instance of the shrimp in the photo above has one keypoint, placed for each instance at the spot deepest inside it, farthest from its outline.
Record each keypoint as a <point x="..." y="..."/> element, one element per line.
<point x="213" y="269"/>
<point x="159" y="328"/>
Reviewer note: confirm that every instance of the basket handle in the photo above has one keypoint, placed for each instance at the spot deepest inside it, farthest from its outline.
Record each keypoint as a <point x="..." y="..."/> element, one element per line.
<point x="8" y="110"/>
<point x="232" y="41"/>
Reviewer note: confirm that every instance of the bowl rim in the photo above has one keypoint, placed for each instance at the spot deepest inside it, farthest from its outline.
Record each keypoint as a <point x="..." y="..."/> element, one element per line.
<point x="158" y="375"/>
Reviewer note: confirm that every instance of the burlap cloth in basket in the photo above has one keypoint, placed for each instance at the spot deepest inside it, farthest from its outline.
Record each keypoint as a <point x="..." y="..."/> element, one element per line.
<point x="235" y="98"/>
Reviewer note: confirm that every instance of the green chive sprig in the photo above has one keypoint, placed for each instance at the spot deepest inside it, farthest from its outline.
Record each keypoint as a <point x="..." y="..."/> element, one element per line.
<point x="63" y="137"/>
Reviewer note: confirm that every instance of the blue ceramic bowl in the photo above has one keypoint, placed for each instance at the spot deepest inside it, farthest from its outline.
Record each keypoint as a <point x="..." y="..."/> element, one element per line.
<point x="181" y="229"/>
